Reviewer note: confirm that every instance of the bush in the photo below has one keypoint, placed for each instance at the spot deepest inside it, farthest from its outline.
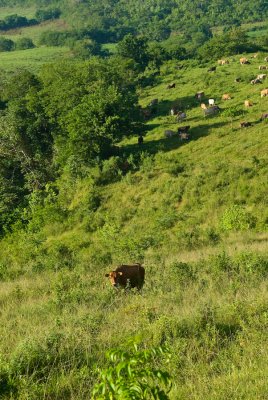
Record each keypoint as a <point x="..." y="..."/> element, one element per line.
<point x="236" y="218"/>
<point x="44" y="15"/>
<point x="6" y="44"/>
<point x="24" y="43"/>
<point x="133" y="375"/>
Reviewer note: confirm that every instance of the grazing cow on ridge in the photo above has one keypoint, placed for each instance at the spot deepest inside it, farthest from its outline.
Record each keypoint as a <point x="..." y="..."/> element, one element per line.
<point x="264" y="93"/>
<point x="127" y="276"/>
<point x="171" y="86"/>
<point x="255" y="81"/>
<point x="245" y="124"/>
<point x="211" y="110"/>
<point x="243" y="61"/>
<point x="248" y="103"/>
<point x="181" y="116"/>
<point x="223" y="62"/>
<point x="261" y="76"/>
<point x="183" y="129"/>
<point x="261" y="67"/>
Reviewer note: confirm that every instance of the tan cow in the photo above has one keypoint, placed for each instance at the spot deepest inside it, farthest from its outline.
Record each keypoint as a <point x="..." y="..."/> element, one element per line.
<point x="223" y="62"/>
<point x="248" y="103"/>
<point x="264" y="93"/>
<point x="226" y="96"/>
<point x="243" y="61"/>
<point x="127" y="276"/>
<point x="266" y="59"/>
<point x="261" y="67"/>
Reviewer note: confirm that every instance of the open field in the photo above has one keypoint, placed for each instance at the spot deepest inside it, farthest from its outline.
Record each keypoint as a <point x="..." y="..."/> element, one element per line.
<point x="35" y="31"/>
<point x="194" y="212"/>
<point x="27" y="12"/>
<point x="32" y="59"/>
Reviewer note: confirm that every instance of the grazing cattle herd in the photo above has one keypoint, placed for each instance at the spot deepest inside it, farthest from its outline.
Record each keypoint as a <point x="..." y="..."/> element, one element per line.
<point x="211" y="108"/>
<point x="132" y="276"/>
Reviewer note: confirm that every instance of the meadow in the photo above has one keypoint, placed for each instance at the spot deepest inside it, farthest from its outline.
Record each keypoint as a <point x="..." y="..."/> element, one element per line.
<point x="194" y="213"/>
<point x="34" y="32"/>
<point x="32" y="59"/>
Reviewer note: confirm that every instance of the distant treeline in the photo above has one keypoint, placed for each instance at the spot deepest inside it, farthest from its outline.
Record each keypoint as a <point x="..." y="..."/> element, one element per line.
<point x="17" y="21"/>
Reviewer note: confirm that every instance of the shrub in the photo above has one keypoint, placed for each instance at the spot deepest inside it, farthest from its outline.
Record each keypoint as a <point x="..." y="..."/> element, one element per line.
<point x="24" y="43"/>
<point x="6" y="44"/>
<point x="133" y="375"/>
<point x="236" y="218"/>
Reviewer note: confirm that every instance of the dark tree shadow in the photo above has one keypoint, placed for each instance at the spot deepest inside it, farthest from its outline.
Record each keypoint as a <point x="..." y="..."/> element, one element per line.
<point x="167" y="144"/>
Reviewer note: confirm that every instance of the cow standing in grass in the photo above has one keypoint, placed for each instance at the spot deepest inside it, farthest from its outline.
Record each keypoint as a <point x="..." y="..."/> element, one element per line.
<point x="125" y="276"/>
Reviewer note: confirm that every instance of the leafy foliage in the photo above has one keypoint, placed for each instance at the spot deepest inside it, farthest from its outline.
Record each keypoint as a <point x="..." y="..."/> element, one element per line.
<point x="133" y="376"/>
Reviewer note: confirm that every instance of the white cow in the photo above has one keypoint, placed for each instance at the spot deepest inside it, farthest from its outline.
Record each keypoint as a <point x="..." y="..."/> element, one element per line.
<point x="211" y="102"/>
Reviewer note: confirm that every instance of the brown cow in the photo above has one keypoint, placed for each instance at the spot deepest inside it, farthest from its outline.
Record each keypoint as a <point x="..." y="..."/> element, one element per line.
<point x="245" y="124"/>
<point x="127" y="276"/>
<point x="262" y="67"/>
<point x="226" y="96"/>
<point x="264" y="93"/>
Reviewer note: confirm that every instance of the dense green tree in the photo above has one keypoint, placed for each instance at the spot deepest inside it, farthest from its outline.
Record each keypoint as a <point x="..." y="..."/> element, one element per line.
<point x="135" y="48"/>
<point x="6" y="44"/>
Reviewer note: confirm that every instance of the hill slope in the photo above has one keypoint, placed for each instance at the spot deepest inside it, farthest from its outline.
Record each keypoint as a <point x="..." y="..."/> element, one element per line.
<point x="195" y="213"/>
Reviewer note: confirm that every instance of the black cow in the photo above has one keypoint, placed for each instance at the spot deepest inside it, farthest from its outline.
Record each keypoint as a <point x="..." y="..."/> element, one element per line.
<point x="183" y="129"/>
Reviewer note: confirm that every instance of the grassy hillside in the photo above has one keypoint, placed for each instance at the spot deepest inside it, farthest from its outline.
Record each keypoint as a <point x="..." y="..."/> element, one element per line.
<point x="32" y="59"/>
<point x="35" y="31"/>
<point x="195" y="213"/>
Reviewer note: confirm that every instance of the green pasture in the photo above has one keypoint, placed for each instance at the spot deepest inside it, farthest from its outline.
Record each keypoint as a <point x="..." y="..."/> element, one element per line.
<point x="193" y="212"/>
<point x="35" y="31"/>
<point x="26" y="11"/>
<point x="32" y="59"/>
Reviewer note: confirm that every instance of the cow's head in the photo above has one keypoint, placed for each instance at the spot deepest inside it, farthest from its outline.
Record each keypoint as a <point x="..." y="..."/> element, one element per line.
<point x="114" y="277"/>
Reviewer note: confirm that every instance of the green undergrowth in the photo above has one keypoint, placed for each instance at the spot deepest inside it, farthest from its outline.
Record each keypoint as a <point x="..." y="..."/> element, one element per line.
<point x="195" y="213"/>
